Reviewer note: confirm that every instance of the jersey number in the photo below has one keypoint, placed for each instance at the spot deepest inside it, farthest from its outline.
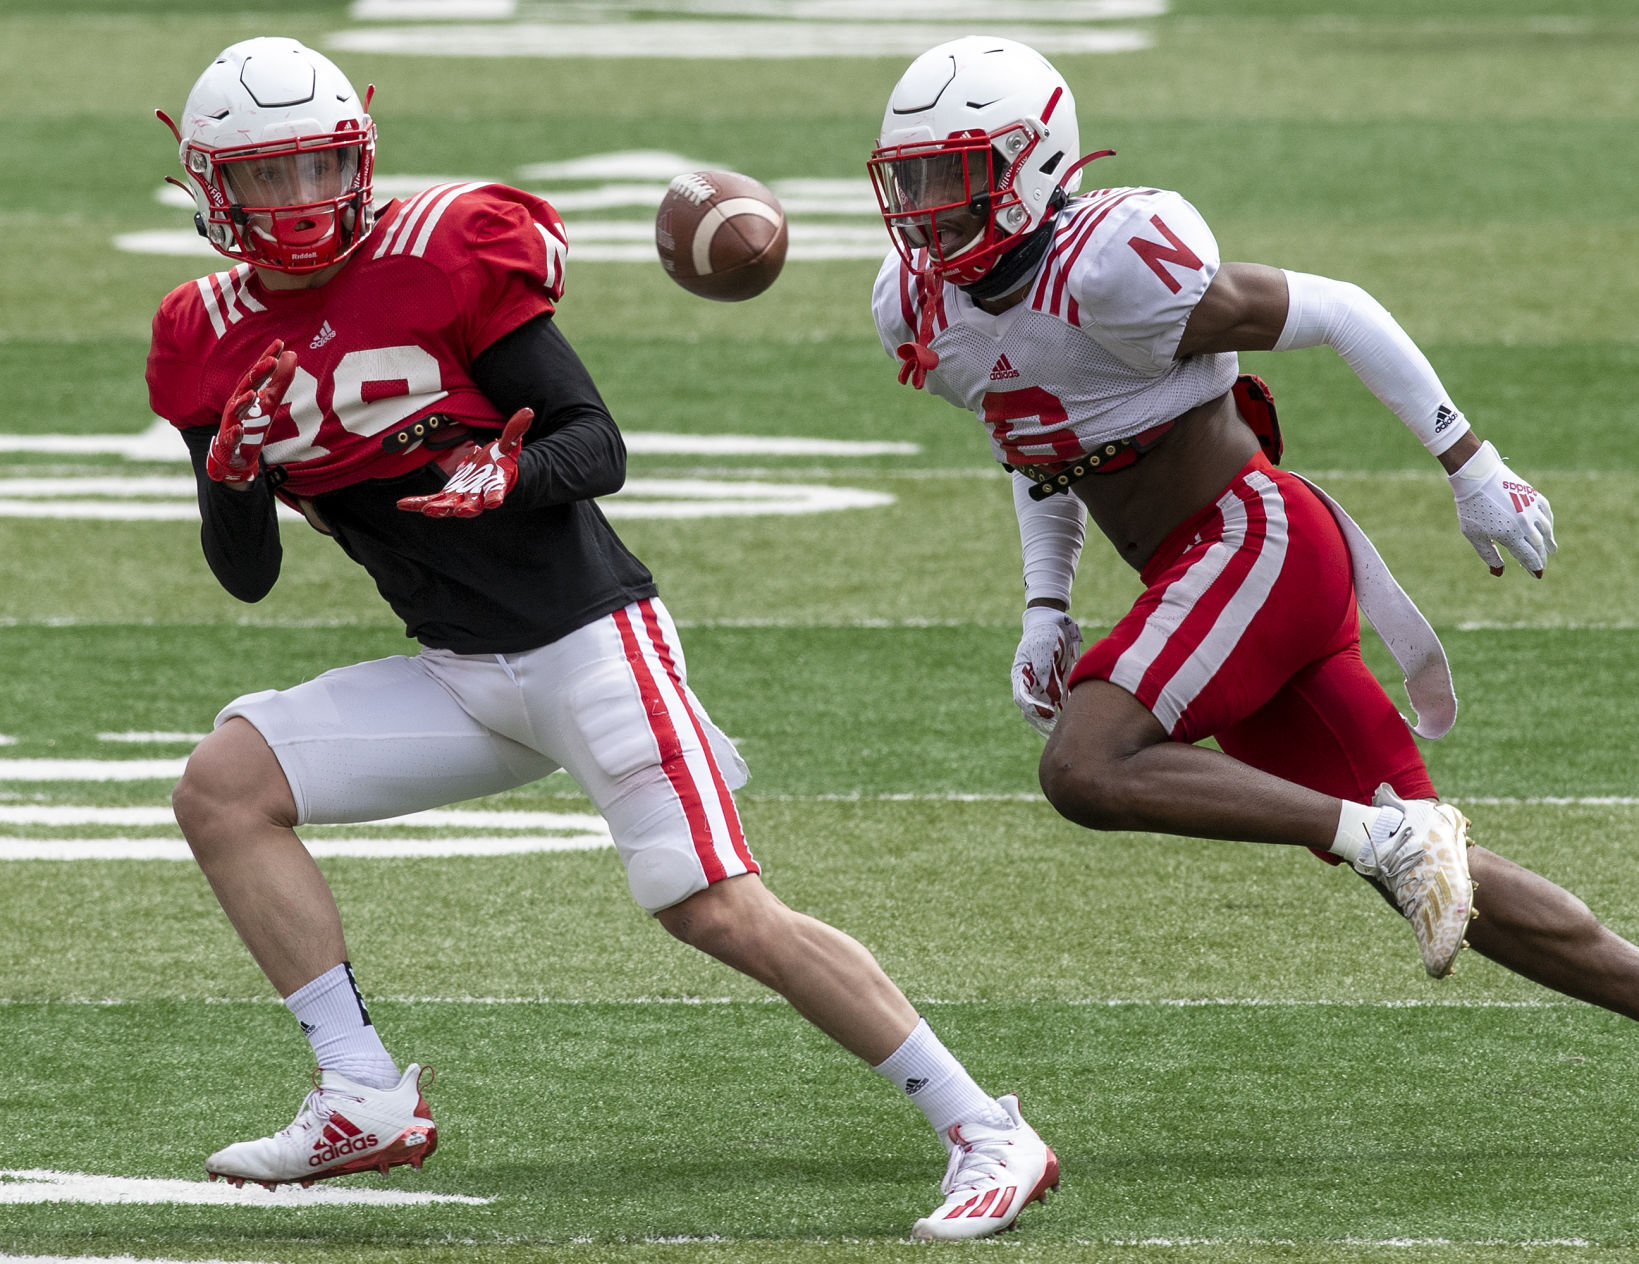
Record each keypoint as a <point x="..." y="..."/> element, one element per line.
<point x="1155" y="254"/>
<point x="1045" y="411"/>
<point x="371" y="391"/>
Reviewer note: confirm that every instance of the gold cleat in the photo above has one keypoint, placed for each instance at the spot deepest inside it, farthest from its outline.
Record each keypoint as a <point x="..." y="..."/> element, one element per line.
<point x="1425" y="867"/>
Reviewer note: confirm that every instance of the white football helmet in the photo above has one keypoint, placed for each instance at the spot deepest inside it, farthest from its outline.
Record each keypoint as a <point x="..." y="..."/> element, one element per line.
<point x="978" y="135"/>
<point x="280" y="151"/>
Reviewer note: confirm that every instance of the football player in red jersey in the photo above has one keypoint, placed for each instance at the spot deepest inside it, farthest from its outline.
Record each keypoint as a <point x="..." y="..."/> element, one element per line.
<point x="1095" y="339"/>
<point x="395" y="373"/>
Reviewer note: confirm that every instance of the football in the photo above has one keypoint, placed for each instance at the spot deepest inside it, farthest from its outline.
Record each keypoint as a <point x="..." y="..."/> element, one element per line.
<point x="720" y="235"/>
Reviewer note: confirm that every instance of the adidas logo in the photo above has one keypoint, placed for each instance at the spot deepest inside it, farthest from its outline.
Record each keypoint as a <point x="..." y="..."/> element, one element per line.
<point x="307" y="1028"/>
<point x="1523" y="495"/>
<point x="1004" y="369"/>
<point x="914" y="1086"/>
<point x="325" y="334"/>
<point x="340" y="1137"/>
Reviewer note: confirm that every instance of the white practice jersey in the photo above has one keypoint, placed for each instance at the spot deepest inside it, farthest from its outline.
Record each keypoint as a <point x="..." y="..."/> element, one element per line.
<point x="1087" y="357"/>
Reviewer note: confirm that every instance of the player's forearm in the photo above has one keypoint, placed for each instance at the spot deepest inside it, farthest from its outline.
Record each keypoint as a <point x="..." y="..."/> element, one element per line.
<point x="583" y="458"/>
<point x="1051" y="533"/>
<point x="239" y="531"/>
<point x="1340" y="315"/>
<point x="573" y="450"/>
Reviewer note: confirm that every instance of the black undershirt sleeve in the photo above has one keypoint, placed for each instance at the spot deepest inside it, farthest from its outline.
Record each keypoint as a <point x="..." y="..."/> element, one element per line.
<point x="238" y="530"/>
<point x="573" y="450"/>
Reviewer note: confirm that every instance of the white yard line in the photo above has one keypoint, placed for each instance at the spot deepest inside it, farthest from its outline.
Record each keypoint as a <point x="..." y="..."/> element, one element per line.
<point x="714" y="40"/>
<point x="114" y="770"/>
<point x="117" y="848"/>
<point x="529" y="832"/>
<point x="42" y="1185"/>
<point x="1089" y="1002"/>
<point x="833" y="624"/>
<point x="173" y="499"/>
<point x="868" y="11"/>
<point x="159" y="442"/>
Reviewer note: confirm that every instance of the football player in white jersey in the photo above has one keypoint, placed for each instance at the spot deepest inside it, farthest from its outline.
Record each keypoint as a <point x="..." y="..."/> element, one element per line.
<point x="410" y="393"/>
<point x="1094" y="336"/>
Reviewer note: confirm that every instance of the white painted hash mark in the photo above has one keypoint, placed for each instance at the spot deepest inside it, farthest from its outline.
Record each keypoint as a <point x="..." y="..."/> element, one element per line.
<point x="41" y="1185"/>
<point x="505" y="833"/>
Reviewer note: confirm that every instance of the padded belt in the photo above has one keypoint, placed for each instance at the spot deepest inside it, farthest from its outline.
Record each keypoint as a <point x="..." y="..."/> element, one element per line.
<point x="436" y="430"/>
<point x="1253" y="401"/>
<point x="1117" y="454"/>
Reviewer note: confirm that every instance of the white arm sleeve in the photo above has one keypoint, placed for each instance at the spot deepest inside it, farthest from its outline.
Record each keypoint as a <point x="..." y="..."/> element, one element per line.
<point x="1337" y="314"/>
<point x="1051" y="532"/>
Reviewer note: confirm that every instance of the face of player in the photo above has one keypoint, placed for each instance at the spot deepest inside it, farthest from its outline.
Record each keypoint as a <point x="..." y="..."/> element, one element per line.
<point x="940" y="201"/>
<point x="291" y="179"/>
<point x="291" y="200"/>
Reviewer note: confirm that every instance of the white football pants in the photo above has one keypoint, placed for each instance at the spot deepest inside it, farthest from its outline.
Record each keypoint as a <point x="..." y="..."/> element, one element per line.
<point x="609" y="703"/>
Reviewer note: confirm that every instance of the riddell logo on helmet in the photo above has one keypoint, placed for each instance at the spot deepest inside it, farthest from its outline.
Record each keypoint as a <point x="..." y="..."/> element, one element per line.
<point x="338" y="1149"/>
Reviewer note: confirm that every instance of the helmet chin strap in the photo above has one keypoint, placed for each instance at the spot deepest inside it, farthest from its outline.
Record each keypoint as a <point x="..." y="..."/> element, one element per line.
<point x="1015" y="265"/>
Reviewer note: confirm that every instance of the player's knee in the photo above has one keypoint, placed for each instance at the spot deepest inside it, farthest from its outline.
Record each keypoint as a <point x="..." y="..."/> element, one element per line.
<point x="1091" y="791"/>
<point x="728" y="920"/>
<point x="661" y="878"/>
<point x="230" y="781"/>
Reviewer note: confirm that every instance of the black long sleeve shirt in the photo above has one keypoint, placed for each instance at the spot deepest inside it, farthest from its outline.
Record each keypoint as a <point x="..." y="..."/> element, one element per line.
<point x="542" y="564"/>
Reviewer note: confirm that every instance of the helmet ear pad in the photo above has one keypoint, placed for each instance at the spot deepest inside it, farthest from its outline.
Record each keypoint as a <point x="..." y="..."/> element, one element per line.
<point x="1018" y="261"/>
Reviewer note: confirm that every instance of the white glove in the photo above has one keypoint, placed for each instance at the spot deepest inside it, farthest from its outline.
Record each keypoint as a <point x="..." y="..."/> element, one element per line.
<point x="1047" y="651"/>
<point x="1496" y="506"/>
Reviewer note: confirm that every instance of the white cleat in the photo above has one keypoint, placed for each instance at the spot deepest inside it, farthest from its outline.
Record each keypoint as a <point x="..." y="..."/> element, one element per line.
<point x="341" y="1128"/>
<point x="1425" y="868"/>
<point x="994" y="1174"/>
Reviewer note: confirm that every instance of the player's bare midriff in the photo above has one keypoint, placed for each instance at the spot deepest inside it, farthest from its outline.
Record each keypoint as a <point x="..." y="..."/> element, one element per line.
<point x="1137" y="506"/>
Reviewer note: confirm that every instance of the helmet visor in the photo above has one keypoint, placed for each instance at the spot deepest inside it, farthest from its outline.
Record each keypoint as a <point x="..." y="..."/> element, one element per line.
<point x="301" y="177"/>
<point x="935" y="199"/>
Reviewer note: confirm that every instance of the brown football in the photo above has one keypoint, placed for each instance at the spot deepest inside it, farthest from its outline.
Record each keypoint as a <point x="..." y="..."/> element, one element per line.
<point x="720" y="235"/>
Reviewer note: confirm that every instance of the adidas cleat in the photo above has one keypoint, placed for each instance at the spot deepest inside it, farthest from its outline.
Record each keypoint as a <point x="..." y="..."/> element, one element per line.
<point x="341" y="1128"/>
<point x="994" y="1174"/>
<point x="1425" y="868"/>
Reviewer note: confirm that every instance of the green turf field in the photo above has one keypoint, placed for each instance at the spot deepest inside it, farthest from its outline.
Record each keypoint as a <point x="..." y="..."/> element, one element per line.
<point x="1233" y="1050"/>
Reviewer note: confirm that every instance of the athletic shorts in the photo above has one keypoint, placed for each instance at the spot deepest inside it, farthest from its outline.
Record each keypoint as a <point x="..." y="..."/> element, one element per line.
<point x="1247" y="632"/>
<point x="609" y="703"/>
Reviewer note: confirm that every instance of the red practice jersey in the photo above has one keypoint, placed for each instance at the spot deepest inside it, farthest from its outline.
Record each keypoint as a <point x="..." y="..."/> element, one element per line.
<point x="389" y="340"/>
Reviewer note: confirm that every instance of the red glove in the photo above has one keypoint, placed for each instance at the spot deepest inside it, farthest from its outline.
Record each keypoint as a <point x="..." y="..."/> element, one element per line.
<point x="482" y="480"/>
<point x="237" y="448"/>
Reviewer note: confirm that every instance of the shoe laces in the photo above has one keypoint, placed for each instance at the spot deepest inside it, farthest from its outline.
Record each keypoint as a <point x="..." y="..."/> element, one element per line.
<point x="1399" y="863"/>
<point x="314" y="1109"/>
<point x="976" y="1164"/>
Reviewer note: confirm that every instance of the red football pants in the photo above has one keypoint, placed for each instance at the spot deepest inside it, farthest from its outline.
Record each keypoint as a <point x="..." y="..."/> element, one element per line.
<point x="1247" y="632"/>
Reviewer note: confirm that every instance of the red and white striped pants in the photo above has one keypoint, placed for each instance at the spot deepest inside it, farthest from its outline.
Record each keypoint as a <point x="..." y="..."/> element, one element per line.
<point x="1247" y="632"/>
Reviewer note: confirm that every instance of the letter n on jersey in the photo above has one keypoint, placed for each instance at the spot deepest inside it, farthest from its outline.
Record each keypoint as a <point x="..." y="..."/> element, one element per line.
<point x="1155" y="254"/>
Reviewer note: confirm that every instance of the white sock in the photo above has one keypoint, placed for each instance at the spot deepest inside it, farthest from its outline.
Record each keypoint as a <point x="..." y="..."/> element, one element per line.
<point x="924" y="1070"/>
<point x="1361" y="832"/>
<point x="335" y="1022"/>
<point x="1360" y="827"/>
